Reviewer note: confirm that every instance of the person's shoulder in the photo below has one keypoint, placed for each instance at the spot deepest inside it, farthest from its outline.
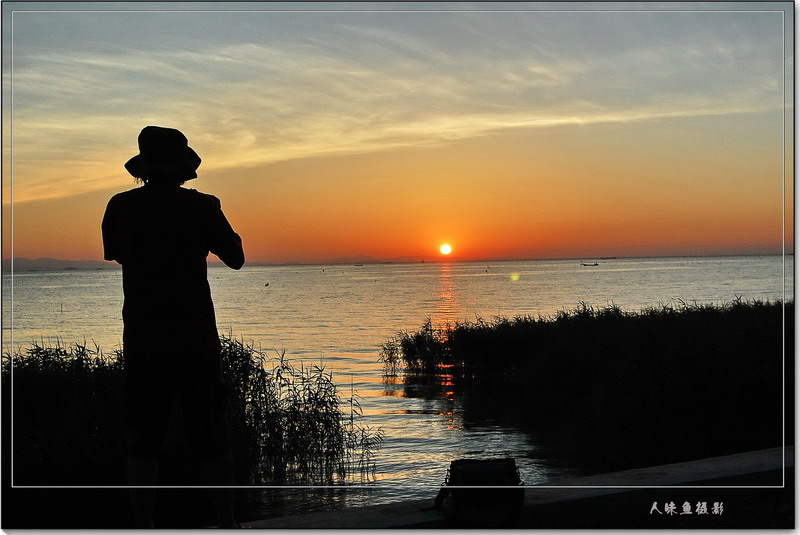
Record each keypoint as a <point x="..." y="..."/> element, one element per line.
<point x="124" y="197"/>
<point x="127" y="194"/>
<point x="202" y="198"/>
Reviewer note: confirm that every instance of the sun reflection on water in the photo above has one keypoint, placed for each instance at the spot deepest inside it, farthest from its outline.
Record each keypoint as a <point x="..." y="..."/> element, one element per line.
<point x="447" y="305"/>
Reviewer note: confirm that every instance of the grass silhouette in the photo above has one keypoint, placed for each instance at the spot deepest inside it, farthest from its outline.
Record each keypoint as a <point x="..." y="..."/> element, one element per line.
<point x="288" y="424"/>
<point x="612" y="389"/>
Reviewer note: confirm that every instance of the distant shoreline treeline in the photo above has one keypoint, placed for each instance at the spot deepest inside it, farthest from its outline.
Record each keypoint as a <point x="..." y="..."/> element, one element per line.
<point x="612" y="389"/>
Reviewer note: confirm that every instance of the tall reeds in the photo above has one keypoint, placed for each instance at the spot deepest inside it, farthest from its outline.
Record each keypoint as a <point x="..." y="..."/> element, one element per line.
<point x="614" y="388"/>
<point x="293" y="420"/>
<point x="67" y="415"/>
<point x="288" y="424"/>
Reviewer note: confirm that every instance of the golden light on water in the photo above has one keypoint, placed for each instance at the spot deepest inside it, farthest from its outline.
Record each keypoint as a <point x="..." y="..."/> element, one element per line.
<point x="445" y="249"/>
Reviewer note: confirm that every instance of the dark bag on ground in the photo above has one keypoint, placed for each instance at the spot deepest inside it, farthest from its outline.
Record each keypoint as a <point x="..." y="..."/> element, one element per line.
<point x="483" y="473"/>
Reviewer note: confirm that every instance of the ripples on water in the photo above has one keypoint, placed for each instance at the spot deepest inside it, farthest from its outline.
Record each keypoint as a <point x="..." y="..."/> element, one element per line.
<point x="340" y="315"/>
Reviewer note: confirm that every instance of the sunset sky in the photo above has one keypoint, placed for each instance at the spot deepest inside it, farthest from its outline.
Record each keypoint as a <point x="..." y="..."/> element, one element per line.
<point x="519" y="130"/>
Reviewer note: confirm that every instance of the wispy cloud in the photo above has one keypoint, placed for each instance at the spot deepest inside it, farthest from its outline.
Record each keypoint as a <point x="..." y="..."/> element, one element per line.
<point x="351" y="88"/>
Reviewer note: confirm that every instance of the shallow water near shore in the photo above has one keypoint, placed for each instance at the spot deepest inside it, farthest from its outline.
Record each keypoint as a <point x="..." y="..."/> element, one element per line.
<point x="339" y="315"/>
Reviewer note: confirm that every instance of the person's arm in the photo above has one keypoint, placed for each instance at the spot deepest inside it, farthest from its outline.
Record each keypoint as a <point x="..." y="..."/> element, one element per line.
<point x="113" y="236"/>
<point x="224" y="242"/>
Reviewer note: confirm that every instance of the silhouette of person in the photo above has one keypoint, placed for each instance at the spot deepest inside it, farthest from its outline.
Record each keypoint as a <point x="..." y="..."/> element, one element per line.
<point x="161" y="234"/>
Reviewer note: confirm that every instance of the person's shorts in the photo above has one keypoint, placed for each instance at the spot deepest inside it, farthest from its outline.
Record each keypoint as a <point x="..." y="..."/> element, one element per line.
<point x="193" y="382"/>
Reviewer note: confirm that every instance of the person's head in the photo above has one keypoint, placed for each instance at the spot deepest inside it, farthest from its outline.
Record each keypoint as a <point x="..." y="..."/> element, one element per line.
<point x="164" y="157"/>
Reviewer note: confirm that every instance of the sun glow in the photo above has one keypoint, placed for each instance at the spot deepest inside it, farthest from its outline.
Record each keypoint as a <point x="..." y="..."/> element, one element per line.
<point x="445" y="249"/>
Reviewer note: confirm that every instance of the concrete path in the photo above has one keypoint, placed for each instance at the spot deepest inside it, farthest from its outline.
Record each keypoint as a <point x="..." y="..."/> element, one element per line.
<point x="757" y="486"/>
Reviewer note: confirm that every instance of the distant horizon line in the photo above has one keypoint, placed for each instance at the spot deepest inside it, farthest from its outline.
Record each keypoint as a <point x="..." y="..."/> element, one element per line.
<point x="378" y="260"/>
<point x="355" y="260"/>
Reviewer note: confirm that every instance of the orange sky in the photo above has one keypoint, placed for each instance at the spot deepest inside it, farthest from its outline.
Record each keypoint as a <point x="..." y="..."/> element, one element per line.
<point x="403" y="157"/>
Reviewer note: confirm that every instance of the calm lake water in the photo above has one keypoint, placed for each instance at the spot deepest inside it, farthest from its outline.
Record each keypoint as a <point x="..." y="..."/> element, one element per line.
<point x="339" y="315"/>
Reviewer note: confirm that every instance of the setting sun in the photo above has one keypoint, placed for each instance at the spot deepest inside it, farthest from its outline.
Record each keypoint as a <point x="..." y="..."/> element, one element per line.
<point x="445" y="249"/>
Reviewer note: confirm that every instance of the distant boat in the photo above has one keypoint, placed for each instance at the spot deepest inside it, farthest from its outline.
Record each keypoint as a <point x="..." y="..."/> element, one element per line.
<point x="359" y="265"/>
<point x="589" y="264"/>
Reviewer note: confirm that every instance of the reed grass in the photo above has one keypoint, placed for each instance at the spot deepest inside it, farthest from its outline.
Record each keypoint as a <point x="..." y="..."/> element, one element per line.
<point x="67" y="405"/>
<point x="613" y="388"/>
<point x="296" y="425"/>
<point x="288" y="423"/>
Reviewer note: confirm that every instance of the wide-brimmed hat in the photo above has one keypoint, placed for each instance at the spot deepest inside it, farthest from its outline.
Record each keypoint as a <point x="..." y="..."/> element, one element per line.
<point x="163" y="150"/>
